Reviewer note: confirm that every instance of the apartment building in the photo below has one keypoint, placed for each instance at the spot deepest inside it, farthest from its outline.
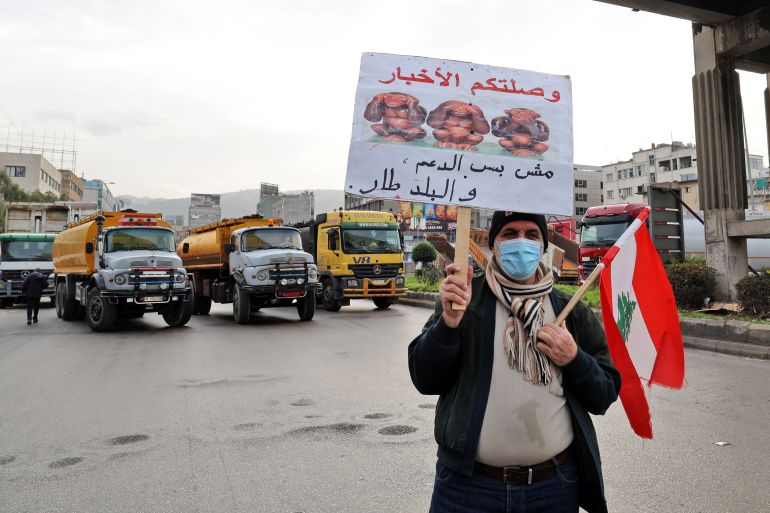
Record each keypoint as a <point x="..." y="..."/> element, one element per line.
<point x="32" y="172"/>
<point x="96" y="191"/>
<point x="71" y="185"/>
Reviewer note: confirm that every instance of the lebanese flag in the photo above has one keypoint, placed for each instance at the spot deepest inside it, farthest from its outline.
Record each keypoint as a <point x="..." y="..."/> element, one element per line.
<point x="641" y="322"/>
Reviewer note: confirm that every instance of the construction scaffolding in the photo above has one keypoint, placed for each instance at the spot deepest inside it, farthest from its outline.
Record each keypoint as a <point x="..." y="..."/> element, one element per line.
<point x="59" y="148"/>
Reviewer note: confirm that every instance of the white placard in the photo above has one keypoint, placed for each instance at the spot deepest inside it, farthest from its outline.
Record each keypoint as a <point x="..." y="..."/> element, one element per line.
<point x="457" y="133"/>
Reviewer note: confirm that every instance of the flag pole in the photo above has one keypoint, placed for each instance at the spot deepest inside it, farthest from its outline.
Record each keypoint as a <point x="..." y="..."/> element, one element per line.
<point x="579" y="294"/>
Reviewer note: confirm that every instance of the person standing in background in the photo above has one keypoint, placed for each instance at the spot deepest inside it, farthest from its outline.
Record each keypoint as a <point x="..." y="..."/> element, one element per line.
<point x="33" y="287"/>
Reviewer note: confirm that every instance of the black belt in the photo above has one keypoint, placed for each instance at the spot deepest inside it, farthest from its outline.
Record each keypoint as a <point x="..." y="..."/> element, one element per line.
<point x="525" y="474"/>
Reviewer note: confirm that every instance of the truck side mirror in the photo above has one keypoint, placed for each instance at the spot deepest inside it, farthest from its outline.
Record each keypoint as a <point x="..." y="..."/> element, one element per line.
<point x="186" y="247"/>
<point x="229" y="248"/>
<point x="89" y="247"/>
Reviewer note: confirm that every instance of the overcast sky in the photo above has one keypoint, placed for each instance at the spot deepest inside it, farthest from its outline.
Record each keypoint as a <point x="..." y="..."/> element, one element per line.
<point x="168" y="98"/>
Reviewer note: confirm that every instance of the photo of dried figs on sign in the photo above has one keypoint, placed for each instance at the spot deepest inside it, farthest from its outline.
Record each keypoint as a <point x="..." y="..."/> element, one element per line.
<point x="521" y="133"/>
<point x="401" y="116"/>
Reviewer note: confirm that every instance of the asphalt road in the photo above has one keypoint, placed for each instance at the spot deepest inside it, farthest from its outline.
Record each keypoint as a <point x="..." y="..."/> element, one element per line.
<point x="283" y="416"/>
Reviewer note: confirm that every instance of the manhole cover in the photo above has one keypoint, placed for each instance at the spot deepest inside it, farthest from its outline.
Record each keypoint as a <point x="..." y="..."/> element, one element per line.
<point x="377" y="416"/>
<point x="397" y="430"/>
<point x="127" y="439"/>
<point x="65" y="462"/>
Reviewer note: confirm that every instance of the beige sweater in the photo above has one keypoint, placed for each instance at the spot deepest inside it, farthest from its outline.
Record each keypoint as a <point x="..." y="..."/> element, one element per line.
<point x="524" y="423"/>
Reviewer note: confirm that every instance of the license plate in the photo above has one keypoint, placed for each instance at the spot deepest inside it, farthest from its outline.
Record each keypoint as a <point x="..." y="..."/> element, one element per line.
<point x="153" y="299"/>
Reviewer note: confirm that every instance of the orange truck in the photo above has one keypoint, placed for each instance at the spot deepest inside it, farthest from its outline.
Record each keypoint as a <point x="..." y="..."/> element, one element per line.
<point x="252" y="263"/>
<point x="113" y="265"/>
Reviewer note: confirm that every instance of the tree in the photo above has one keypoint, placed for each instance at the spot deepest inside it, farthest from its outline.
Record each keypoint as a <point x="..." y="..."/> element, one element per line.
<point x="424" y="252"/>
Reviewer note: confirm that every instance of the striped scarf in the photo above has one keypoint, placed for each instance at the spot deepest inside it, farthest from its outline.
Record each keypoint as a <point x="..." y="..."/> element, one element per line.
<point x="527" y="316"/>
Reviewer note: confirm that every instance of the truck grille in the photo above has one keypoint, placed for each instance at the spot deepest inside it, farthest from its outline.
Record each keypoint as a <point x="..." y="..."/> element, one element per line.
<point x="369" y="270"/>
<point x="589" y="266"/>
<point x="150" y="263"/>
<point x="287" y="272"/>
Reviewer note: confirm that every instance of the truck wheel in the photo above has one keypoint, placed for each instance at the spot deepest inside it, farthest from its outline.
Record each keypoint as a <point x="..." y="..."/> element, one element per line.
<point x="382" y="303"/>
<point x="100" y="313"/>
<point x="241" y="305"/>
<point x="330" y="301"/>
<point x="66" y="308"/>
<point x="202" y="305"/>
<point x="306" y="307"/>
<point x="178" y="313"/>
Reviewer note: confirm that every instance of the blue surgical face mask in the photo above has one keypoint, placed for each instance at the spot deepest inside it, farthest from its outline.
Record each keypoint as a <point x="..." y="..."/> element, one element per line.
<point x="519" y="257"/>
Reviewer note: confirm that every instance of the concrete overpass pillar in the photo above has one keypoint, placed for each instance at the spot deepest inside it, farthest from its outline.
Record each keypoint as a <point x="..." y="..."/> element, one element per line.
<point x="721" y="161"/>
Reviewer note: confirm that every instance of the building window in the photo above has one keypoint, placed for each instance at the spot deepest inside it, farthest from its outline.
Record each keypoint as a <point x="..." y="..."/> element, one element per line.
<point x="687" y="189"/>
<point x="610" y="176"/>
<point x="652" y="177"/>
<point x="610" y="194"/>
<point x="16" y="171"/>
<point x="581" y="197"/>
<point x="665" y="165"/>
<point x="581" y="184"/>
<point x="579" y="211"/>
<point x="652" y="159"/>
<point x="620" y="174"/>
<point x="685" y="162"/>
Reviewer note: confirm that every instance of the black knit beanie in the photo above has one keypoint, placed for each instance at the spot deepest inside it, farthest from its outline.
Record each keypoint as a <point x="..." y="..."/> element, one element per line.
<point x="500" y="218"/>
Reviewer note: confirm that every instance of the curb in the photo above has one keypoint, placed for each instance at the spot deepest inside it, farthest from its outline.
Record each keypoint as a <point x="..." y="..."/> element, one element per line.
<point x="737" y="338"/>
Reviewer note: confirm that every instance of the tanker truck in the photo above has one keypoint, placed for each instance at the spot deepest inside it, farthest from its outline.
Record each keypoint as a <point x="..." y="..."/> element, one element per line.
<point x="252" y="263"/>
<point x="360" y="254"/>
<point x="113" y="265"/>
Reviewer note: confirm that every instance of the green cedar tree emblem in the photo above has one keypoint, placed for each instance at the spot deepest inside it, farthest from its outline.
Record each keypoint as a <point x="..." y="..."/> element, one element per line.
<point x="626" y="309"/>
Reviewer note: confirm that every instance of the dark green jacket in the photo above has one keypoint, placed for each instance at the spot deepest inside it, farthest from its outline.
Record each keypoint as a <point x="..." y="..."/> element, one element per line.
<point x="456" y="364"/>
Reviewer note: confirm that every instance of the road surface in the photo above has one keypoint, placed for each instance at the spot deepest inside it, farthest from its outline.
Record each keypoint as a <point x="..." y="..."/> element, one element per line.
<point x="283" y="416"/>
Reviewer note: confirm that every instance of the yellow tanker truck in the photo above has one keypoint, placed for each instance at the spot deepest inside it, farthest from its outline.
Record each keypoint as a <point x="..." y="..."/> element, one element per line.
<point x="359" y="255"/>
<point x="114" y="265"/>
<point x="252" y="263"/>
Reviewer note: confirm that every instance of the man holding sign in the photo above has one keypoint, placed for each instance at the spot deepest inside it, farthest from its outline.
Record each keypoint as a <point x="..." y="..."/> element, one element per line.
<point x="515" y="389"/>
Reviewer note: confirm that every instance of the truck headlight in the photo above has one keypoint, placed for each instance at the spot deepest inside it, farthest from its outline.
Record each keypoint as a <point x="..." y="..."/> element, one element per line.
<point x="399" y="281"/>
<point x="312" y="273"/>
<point x="120" y="279"/>
<point x="262" y="275"/>
<point x="143" y="286"/>
<point x="163" y="286"/>
<point x="353" y="283"/>
<point x="180" y="278"/>
<point x="300" y="281"/>
<point x="284" y="281"/>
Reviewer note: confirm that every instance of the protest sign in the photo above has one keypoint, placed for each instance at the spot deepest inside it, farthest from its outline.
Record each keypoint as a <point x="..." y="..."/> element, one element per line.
<point x="455" y="133"/>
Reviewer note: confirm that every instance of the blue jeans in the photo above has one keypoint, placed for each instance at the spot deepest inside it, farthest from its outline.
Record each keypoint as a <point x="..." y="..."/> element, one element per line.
<point x="456" y="493"/>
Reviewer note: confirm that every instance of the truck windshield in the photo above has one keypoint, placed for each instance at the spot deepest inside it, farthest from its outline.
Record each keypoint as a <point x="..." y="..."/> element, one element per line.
<point x="602" y="234"/>
<point x="130" y="239"/>
<point x="25" y="250"/>
<point x="270" y="238"/>
<point x="371" y="241"/>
